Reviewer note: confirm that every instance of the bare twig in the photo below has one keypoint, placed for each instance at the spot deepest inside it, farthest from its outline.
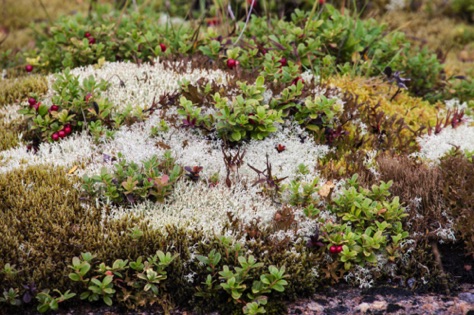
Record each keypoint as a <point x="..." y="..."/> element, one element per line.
<point x="45" y="11"/>
<point x="246" y="22"/>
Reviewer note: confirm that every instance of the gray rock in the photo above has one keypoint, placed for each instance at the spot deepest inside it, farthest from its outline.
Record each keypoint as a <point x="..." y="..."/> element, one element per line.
<point x="315" y="307"/>
<point x="467" y="296"/>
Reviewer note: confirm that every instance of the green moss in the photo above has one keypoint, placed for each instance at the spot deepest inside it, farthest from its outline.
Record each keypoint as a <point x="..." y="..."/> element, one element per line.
<point x="15" y="90"/>
<point x="45" y="226"/>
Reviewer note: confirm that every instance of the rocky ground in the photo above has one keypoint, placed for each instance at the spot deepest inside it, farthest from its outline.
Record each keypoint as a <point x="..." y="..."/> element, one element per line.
<point x="385" y="300"/>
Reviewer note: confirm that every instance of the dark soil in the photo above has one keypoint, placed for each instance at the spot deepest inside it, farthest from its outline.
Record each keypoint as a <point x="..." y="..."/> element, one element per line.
<point x="456" y="263"/>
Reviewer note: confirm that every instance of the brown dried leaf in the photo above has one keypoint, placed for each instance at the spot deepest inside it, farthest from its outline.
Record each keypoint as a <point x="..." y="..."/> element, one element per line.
<point x="326" y="189"/>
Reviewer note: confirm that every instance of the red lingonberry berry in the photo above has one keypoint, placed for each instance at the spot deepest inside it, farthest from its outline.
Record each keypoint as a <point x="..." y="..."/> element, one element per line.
<point x="53" y="108"/>
<point x="333" y="249"/>
<point x="87" y="35"/>
<point x="32" y="101"/>
<point x="231" y="63"/>
<point x="339" y="248"/>
<point x="67" y="130"/>
<point x="55" y="136"/>
<point x="163" y="47"/>
<point x="91" y="40"/>
<point x="29" y="68"/>
<point x="295" y="81"/>
<point x="62" y="134"/>
<point x="283" y="62"/>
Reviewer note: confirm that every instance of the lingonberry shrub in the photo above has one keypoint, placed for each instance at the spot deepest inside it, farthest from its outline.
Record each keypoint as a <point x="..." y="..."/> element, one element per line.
<point x="130" y="183"/>
<point x="369" y="225"/>
<point x="76" y="106"/>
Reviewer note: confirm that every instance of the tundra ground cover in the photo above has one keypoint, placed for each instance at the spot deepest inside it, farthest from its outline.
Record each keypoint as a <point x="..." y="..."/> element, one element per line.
<point x="142" y="168"/>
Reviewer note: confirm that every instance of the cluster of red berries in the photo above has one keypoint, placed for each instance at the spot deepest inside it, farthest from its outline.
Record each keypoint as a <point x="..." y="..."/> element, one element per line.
<point x="335" y="249"/>
<point x="90" y="38"/>
<point x="67" y="129"/>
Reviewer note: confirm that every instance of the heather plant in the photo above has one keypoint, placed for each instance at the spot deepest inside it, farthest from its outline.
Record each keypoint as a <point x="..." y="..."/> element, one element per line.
<point x="130" y="183"/>
<point x="456" y="170"/>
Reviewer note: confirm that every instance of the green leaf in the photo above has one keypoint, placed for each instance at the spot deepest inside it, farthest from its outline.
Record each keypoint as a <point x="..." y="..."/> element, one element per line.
<point x="54" y="304"/>
<point x="42" y="110"/>
<point x="96" y="282"/>
<point x="278" y="288"/>
<point x="236" y="136"/>
<point x="84" y="295"/>
<point x="74" y="277"/>
<point x="109" y="291"/>
<point x="107" y="280"/>
<point x="312" y="128"/>
<point x="43" y="308"/>
<point x="107" y="300"/>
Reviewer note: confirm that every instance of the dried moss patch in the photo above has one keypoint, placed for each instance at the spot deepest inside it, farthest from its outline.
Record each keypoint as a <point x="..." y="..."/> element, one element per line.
<point x="8" y="136"/>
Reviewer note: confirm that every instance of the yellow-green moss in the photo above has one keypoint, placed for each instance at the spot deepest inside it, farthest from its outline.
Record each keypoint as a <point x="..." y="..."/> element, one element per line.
<point x="413" y="110"/>
<point x="14" y="90"/>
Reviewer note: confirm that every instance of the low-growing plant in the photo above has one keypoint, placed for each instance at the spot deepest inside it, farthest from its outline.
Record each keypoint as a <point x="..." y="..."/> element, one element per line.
<point x="360" y="239"/>
<point x="130" y="183"/>
<point x="10" y="297"/>
<point x="47" y="302"/>
<point x="241" y="283"/>
<point x="245" y="117"/>
<point x="76" y="106"/>
<point x="303" y="194"/>
<point x="318" y="113"/>
<point x="135" y="283"/>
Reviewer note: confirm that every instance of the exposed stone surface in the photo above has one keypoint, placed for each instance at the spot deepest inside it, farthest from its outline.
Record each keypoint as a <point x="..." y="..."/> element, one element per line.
<point x="386" y="300"/>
